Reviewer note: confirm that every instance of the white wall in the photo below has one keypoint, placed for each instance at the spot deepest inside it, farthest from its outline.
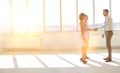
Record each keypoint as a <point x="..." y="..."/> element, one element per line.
<point x="53" y="40"/>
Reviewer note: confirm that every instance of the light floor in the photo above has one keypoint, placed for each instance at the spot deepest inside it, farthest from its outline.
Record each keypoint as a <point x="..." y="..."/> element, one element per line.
<point x="58" y="63"/>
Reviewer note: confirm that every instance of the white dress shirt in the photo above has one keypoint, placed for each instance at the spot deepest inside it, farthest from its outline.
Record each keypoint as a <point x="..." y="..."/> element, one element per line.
<point x="108" y="25"/>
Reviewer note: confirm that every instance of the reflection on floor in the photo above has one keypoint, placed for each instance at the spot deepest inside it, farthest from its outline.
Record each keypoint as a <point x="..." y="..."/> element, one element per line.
<point x="61" y="62"/>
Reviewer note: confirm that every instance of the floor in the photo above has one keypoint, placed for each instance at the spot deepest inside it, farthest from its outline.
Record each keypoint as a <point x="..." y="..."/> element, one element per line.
<point x="58" y="62"/>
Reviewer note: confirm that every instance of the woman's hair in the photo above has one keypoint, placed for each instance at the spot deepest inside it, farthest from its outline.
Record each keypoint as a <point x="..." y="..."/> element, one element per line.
<point x="86" y="16"/>
<point x="81" y="16"/>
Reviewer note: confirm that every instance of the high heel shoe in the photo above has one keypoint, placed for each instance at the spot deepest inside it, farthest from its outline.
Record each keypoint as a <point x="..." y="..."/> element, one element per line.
<point x="87" y="57"/>
<point x="83" y="61"/>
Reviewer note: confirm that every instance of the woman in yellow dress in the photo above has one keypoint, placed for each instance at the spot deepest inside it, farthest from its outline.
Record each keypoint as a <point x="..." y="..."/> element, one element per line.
<point x="85" y="35"/>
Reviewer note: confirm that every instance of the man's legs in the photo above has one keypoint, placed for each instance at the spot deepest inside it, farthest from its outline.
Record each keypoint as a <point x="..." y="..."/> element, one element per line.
<point x="108" y="35"/>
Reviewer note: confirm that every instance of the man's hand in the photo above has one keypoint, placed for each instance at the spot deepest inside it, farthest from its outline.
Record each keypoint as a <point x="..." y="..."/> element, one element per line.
<point x="95" y="29"/>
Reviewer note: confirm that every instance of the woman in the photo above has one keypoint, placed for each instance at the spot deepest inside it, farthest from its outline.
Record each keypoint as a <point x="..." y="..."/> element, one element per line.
<point x="85" y="35"/>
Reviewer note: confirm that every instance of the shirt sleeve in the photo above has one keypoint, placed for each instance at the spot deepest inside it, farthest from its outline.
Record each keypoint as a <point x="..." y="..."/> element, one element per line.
<point x="103" y="26"/>
<point x="108" y="22"/>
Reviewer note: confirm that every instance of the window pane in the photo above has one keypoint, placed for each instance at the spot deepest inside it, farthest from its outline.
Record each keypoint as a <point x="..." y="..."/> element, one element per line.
<point x="86" y="6"/>
<point x="52" y="15"/>
<point x="19" y="16"/>
<point x="4" y="15"/>
<point x="69" y="15"/>
<point x="99" y="6"/>
<point x="35" y="17"/>
<point x="116" y="14"/>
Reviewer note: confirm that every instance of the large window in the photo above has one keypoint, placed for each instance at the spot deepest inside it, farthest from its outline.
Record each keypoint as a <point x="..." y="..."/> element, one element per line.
<point x="19" y="16"/>
<point x="4" y="15"/>
<point x="116" y="14"/>
<point x="52" y="15"/>
<point x="69" y="15"/>
<point x="99" y="6"/>
<point x="86" y="6"/>
<point x="35" y="15"/>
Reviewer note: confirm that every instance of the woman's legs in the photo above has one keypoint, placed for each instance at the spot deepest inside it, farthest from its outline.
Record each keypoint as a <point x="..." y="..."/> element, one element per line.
<point x="84" y="51"/>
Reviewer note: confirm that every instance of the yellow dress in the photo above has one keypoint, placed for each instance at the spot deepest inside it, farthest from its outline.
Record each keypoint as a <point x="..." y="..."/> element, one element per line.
<point x="86" y="35"/>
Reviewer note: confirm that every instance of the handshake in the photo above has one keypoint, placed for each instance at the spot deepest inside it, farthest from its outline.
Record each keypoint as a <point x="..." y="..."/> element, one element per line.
<point x="95" y="29"/>
<point x="92" y="29"/>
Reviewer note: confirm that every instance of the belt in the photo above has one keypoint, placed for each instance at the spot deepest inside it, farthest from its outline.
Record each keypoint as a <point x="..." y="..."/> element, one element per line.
<point x="108" y="31"/>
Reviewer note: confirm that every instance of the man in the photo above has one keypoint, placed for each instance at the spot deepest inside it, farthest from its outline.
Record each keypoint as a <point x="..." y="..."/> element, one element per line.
<point x="108" y="33"/>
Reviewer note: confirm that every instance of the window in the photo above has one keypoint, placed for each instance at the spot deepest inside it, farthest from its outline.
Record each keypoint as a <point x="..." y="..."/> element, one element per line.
<point x="86" y="6"/>
<point x="69" y="22"/>
<point x="116" y="14"/>
<point x="28" y="16"/>
<point x="4" y="15"/>
<point x="19" y="18"/>
<point x="35" y="15"/>
<point x="99" y="6"/>
<point x="52" y="15"/>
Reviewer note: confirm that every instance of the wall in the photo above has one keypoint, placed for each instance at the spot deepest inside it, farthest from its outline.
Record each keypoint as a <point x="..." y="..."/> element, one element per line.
<point x="53" y="40"/>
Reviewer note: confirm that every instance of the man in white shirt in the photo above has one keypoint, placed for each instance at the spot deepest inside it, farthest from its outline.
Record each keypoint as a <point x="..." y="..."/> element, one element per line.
<point x="108" y="29"/>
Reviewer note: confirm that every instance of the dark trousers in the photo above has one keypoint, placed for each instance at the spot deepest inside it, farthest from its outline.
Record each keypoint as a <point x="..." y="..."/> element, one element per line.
<point x="108" y="36"/>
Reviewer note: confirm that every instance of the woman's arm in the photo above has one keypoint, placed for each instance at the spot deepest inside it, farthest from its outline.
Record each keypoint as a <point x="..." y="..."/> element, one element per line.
<point x="92" y="29"/>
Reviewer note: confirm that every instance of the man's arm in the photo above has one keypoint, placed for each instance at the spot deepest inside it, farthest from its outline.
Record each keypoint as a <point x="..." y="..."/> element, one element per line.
<point x="108" y="22"/>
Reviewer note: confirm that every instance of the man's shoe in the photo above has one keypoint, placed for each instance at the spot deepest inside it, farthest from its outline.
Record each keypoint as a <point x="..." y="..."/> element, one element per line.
<point x="106" y="58"/>
<point x="109" y="60"/>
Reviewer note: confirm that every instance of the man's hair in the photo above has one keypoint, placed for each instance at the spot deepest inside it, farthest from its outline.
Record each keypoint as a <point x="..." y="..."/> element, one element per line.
<point x="106" y="10"/>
